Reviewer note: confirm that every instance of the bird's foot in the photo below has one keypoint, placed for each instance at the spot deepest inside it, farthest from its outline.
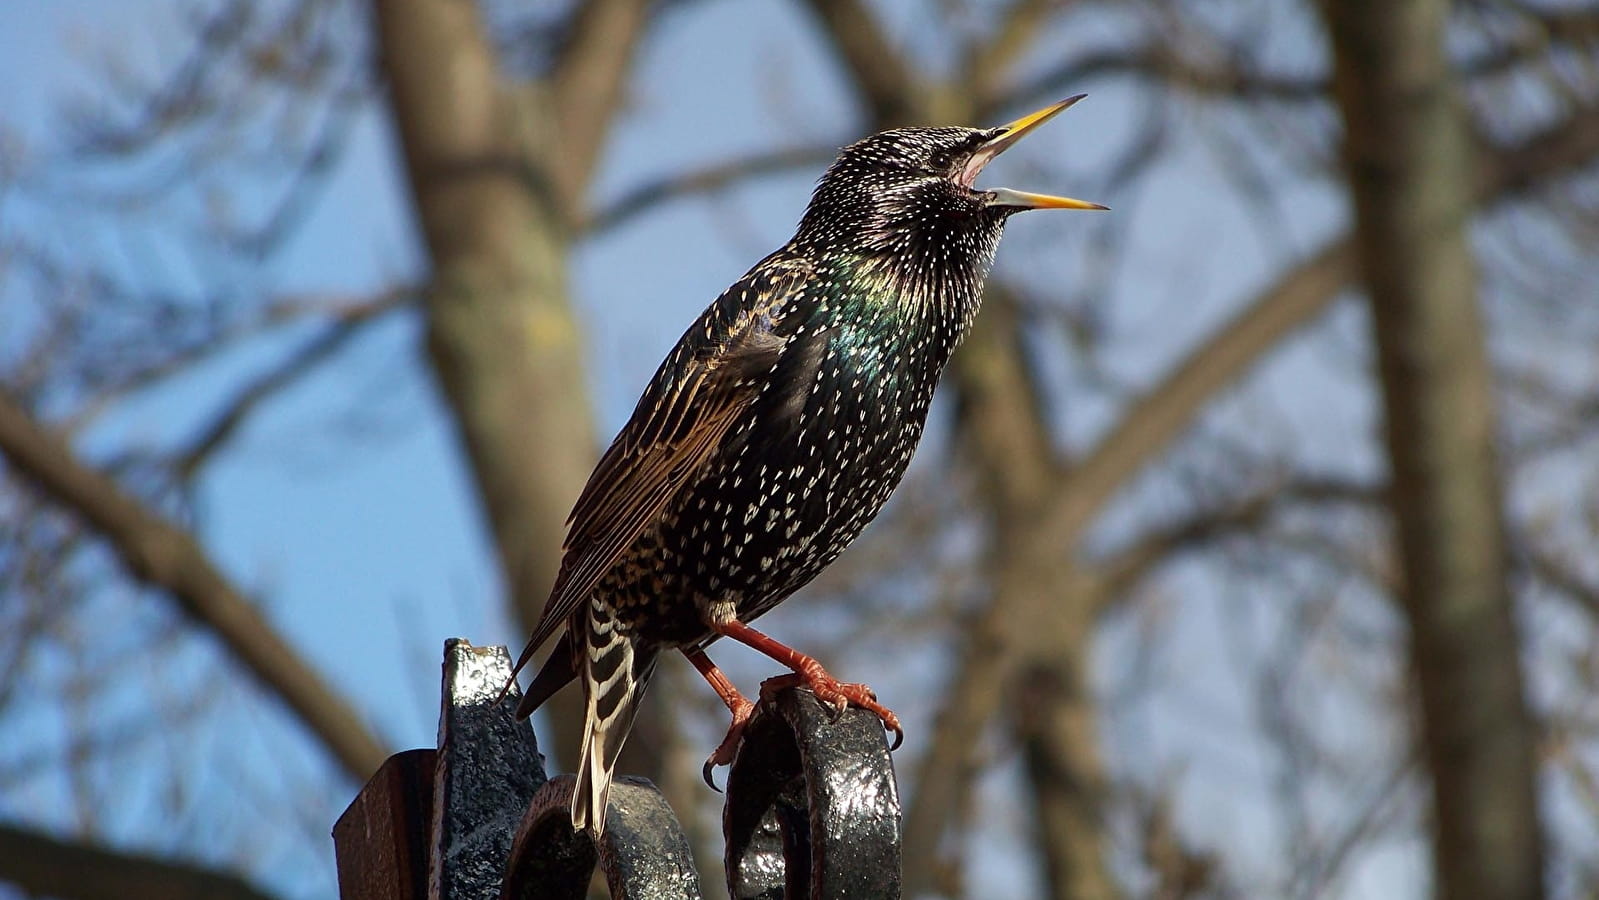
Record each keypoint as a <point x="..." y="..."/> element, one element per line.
<point x="737" y="704"/>
<point x="723" y="755"/>
<point x="809" y="673"/>
<point x="837" y="694"/>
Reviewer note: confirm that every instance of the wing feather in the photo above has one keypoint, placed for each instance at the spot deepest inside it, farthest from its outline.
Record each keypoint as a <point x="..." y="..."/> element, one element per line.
<point x="705" y="385"/>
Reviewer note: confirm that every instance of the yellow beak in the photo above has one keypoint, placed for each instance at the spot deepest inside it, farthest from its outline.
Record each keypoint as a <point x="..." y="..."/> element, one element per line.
<point x="1007" y="135"/>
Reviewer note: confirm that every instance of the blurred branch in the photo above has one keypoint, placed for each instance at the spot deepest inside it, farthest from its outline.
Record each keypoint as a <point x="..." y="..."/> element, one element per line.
<point x="644" y="197"/>
<point x="1510" y="169"/>
<point x="1032" y="554"/>
<point x="71" y="870"/>
<point x="988" y="61"/>
<point x="1163" y="63"/>
<point x="1181" y="870"/>
<point x="179" y="99"/>
<point x="879" y="72"/>
<point x="1226" y="75"/>
<point x="309" y="172"/>
<point x="106" y="740"/>
<point x="296" y="365"/>
<point x="1295" y="298"/>
<point x="181" y="355"/>
<point x="1165" y="411"/>
<point x="279" y="83"/>
<point x="1560" y="576"/>
<point x="1380" y="804"/>
<point x="1001" y="409"/>
<point x="1122" y="570"/>
<point x="1542" y="27"/>
<point x="163" y="556"/>
<point x="1568" y="414"/>
<point x="588" y="79"/>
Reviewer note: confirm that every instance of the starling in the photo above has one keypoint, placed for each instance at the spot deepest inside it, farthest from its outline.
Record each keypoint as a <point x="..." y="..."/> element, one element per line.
<point x="773" y="433"/>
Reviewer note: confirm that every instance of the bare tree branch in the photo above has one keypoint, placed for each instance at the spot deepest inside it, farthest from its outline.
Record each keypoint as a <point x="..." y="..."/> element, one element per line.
<point x="1505" y="171"/>
<point x="1230" y="77"/>
<point x="1166" y="410"/>
<point x="989" y="61"/>
<point x="1377" y="807"/>
<point x="645" y="197"/>
<point x="73" y="870"/>
<point x="1034" y="558"/>
<point x="166" y="557"/>
<point x="588" y="80"/>
<point x="208" y="345"/>
<point x="1122" y="569"/>
<point x="1162" y="62"/>
<point x="291" y="369"/>
<point x="1001" y="411"/>
<point x="880" y="73"/>
<point x="1293" y="300"/>
<point x="176" y="100"/>
<point x="1548" y="567"/>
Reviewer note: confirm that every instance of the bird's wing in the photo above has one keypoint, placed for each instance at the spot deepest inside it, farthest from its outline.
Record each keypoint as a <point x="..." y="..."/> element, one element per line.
<point x="702" y="388"/>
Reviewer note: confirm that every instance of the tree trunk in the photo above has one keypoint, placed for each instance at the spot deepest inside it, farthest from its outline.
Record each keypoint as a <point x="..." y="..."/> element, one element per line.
<point x="1407" y="154"/>
<point x="501" y="335"/>
<point x="495" y="170"/>
<point x="1055" y="720"/>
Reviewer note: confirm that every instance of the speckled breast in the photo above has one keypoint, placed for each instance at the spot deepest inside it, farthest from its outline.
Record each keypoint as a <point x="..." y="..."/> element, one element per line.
<point x="799" y="478"/>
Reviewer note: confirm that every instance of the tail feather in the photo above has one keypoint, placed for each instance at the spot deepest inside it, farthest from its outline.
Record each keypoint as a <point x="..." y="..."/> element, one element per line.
<point x="557" y="672"/>
<point x="615" y="670"/>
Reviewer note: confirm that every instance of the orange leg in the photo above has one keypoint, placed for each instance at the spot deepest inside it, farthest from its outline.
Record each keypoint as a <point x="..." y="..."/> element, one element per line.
<point x="737" y="704"/>
<point x="809" y="672"/>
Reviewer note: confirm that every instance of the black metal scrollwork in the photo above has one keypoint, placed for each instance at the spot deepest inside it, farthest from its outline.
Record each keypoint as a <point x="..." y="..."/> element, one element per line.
<point x="812" y="810"/>
<point x="812" y="807"/>
<point x="644" y="853"/>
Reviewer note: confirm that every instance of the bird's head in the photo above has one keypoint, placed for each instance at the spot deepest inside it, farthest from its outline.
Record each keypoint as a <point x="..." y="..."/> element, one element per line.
<point x="911" y="190"/>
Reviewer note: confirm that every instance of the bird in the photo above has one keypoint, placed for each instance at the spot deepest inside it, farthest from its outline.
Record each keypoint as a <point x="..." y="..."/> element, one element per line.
<point x="772" y="434"/>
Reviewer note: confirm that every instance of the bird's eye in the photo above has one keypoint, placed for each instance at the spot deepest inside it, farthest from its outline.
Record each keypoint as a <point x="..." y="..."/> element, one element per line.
<point x="941" y="161"/>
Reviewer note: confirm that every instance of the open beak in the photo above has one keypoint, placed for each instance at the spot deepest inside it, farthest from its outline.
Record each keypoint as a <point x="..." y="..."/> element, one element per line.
<point x="1005" y="136"/>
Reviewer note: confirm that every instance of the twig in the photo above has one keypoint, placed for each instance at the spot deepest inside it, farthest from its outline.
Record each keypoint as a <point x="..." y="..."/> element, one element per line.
<point x="644" y="197"/>
<point x="164" y="556"/>
<point x="293" y="367"/>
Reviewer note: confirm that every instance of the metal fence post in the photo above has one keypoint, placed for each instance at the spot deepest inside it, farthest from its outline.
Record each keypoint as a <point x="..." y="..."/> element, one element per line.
<point x="812" y="810"/>
<point x="488" y="769"/>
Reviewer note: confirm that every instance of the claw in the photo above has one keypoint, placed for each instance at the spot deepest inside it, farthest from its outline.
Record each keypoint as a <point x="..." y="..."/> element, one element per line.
<point x="737" y="704"/>
<point x="837" y="696"/>
<point x="899" y="735"/>
<point x="725" y="752"/>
